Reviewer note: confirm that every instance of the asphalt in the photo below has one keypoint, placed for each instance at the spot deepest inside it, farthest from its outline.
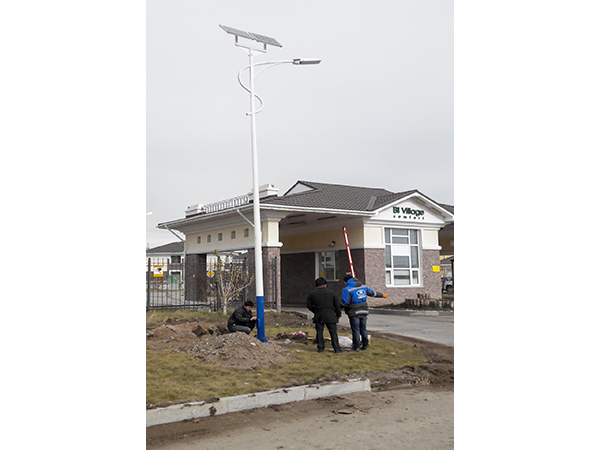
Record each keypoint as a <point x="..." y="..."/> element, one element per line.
<point x="432" y="326"/>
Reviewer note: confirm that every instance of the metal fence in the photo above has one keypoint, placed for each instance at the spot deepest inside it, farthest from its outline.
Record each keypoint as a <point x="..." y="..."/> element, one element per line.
<point x="165" y="285"/>
<point x="229" y="282"/>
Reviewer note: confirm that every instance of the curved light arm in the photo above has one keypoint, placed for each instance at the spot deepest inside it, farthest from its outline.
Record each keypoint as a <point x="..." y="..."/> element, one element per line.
<point x="268" y="65"/>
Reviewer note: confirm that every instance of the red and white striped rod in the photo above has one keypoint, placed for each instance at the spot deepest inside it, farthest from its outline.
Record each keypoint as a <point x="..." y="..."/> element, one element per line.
<point x="348" y="250"/>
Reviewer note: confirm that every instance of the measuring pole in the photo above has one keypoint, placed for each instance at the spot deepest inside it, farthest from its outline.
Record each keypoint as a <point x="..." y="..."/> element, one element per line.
<point x="348" y="251"/>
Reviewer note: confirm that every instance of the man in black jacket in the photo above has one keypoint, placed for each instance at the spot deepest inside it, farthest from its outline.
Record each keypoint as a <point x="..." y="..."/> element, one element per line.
<point x="242" y="318"/>
<point x="327" y="310"/>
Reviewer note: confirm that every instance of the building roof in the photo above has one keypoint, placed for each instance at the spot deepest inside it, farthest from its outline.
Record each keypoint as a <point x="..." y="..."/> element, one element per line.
<point x="449" y="208"/>
<point x="173" y="247"/>
<point x="310" y="194"/>
<point x="321" y="196"/>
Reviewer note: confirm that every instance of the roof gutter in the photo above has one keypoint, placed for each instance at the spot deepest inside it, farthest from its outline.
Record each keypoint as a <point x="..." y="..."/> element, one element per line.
<point x="263" y="207"/>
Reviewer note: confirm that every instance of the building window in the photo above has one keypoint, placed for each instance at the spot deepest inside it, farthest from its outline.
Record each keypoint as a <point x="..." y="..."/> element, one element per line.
<point x="328" y="265"/>
<point x="233" y="235"/>
<point x="220" y="236"/>
<point x="208" y="238"/>
<point x="176" y="259"/>
<point x="402" y="257"/>
<point x="246" y="232"/>
<point x="199" y="240"/>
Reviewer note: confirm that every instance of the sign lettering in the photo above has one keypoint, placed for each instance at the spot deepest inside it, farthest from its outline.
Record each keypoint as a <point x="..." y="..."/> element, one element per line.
<point x="414" y="212"/>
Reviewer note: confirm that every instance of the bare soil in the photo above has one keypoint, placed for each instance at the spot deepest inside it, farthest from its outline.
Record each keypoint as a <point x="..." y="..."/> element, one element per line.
<point x="239" y="351"/>
<point x="209" y="341"/>
<point x="410" y="403"/>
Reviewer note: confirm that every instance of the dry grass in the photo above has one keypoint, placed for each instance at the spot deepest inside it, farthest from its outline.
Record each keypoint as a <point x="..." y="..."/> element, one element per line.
<point x="173" y="377"/>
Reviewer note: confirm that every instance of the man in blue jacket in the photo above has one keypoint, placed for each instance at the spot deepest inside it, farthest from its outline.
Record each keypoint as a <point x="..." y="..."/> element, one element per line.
<point x="354" y="299"/>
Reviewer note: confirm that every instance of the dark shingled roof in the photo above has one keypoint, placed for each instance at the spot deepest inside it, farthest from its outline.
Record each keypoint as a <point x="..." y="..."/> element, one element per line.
<point x="337" y="196"/>
<point x="447" y="207"/>
<point x="173" y="247"/>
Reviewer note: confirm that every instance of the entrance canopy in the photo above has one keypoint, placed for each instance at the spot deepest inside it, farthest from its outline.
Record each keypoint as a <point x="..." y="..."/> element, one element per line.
<point x="307" y="207"/>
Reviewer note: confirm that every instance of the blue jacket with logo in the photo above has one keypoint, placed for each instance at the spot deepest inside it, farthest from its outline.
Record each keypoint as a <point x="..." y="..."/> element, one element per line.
<point x="354" y="298"/>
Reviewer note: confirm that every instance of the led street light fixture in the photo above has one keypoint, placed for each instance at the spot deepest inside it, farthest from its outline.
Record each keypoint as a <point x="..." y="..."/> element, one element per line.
<point x="306" y="61"/>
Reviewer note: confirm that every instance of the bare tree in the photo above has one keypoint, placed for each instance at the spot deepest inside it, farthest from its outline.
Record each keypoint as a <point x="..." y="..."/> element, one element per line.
<point x="232" y="279"/>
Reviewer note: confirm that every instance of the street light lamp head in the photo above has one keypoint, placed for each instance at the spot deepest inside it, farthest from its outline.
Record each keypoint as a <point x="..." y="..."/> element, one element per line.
<point x="299" y="61"/>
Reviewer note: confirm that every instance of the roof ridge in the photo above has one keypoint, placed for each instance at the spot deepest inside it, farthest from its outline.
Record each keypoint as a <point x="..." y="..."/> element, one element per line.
<point x="344" y="185"/>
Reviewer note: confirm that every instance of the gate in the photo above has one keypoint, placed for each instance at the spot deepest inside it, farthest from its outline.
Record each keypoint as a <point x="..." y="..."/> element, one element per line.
<point x="228" y="282"/>
<point x="165" y="287"/>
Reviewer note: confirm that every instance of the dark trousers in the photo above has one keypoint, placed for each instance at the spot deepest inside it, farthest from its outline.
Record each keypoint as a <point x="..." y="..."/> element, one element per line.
<point x="242" y="328"/>
<point x="359" y="330"/>
<point x="332" y="328"/>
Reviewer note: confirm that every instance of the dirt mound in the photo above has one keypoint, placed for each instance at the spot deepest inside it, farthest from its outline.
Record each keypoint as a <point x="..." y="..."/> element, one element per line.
<point x="239" y="351"/>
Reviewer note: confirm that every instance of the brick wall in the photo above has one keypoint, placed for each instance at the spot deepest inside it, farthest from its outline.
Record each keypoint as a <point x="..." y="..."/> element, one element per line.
<point x="432" y="284"/>
<point x="298" y="276"/>
<point x="195" y="277"/>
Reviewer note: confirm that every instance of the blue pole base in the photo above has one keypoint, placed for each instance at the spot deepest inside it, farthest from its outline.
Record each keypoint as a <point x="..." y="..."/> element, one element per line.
<point x="260" y="318"/>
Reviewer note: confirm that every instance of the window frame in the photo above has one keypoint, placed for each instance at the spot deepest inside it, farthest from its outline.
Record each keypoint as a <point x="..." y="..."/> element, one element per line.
<point x="335" y="267"/>
<point x="411" y="251"/>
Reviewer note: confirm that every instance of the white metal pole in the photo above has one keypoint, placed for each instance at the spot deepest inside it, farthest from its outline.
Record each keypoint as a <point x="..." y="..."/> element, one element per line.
<point x="258" y="263"/>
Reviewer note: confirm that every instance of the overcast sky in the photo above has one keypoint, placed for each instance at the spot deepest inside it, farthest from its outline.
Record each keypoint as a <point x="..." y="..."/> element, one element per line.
<point x="377" y="112"/>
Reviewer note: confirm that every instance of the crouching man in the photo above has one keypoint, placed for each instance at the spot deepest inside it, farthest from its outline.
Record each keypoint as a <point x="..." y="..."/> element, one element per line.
<point x="242" y="318"/>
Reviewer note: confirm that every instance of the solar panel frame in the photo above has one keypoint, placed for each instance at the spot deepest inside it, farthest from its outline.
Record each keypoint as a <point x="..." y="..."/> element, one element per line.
<point x="237" y="32"/>
<point x="265" y="39"/>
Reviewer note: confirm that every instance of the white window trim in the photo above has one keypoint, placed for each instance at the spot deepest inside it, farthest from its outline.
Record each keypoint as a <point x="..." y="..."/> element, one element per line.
<point x="318" y="264"/>
<point x="420" y="268"/>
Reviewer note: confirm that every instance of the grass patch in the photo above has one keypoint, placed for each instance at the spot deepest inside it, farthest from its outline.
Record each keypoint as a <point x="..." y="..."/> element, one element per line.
<point x="173" y="377"/>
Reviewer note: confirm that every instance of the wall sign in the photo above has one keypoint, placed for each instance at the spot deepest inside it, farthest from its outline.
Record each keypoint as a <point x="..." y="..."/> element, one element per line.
<point x="408" y="213"/>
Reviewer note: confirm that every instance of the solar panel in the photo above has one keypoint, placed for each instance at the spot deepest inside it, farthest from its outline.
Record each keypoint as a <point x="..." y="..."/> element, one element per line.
<point x="265" y="39"/>
<point x="237" y="32"/>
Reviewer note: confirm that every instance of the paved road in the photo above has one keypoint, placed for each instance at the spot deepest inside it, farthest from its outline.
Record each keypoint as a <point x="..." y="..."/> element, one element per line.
<point x="439" y="329"/>
<point x="419" y="418"/>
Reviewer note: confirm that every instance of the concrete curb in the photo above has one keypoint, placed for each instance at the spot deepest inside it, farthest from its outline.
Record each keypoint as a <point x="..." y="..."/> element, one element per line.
<point x="187" y="411"/>
<point x="394" y="312"/>
<point x="404" y="312"/>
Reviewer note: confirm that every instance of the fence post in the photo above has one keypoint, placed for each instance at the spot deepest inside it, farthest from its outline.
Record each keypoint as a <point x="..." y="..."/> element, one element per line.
<point x="276" y="285"/>
<point x="148" y="286"/>
<point x="246" y="273"/>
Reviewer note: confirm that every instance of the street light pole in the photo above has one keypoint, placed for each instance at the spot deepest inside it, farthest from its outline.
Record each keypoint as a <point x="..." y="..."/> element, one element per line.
<point x="258" y="260"/>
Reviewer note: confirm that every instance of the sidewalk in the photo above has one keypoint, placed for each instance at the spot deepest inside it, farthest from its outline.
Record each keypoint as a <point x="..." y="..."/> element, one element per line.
<point x="437" y="326"/>
<point x="397" y="312"/>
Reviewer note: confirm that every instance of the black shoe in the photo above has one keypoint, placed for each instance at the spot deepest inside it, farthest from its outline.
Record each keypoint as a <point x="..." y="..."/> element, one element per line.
<point x="365" y="348"/>
<point x="320" y="350"/>
<point x="339" y="350"/>
<point x="356" y="349"/>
